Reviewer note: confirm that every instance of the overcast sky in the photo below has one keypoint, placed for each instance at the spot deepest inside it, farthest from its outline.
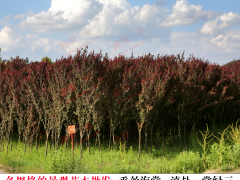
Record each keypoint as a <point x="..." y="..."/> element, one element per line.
<point x="207" y="29"/>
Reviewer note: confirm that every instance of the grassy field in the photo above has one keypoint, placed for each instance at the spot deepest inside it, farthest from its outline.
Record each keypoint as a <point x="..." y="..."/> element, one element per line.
<point x="221" y="154"/>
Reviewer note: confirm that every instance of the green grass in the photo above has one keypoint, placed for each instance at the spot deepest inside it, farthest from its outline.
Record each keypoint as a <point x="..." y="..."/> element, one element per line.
<point x="173" y="161"/>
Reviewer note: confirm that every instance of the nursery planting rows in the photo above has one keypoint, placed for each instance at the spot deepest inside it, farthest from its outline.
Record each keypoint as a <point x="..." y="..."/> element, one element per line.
<point x="166" y="96"/>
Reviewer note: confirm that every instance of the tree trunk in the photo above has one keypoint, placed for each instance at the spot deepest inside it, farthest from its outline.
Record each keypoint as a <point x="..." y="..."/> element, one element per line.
<point x="75" y="140"/>
<point x="4" y="137"/>
<point x="99" y="143"/>
<point x="16" y="140"/>
<point x="7" y="141"/>
<point x="184" y="136"/>
<point x="81" y="136"/>
<point x="56" y="140"/>
<point x="128" y="141"/>
<point x="174" y="135"/>
<point x="139" y="140"/>
<point x="145" y="141"/>
<point x="222" y="115"/>
<point x="113" y="140"/>
<point x="11" y="141"/>
<point x="110" y="140"/>
<point x="32" y="139"/>
<point x="158" y="139"/>
<point x="179" y="133"/>
<point x="163" y="142"/>
<point x="216" y="111"/>
<point x="25" y="145"/>
<point x="193" y="128"/>
<point x="103" y="134"/>
<point x="51" y="141"/>
<point x="47" y="133"/>
<point x="151" y="139"/>
<point x="65" y="145"/>
<point x="214" y="117"/>
<point x="96" y="142"/>
<point x="36" y="142"/>
<point x="3" y="142"/>
<point x="19" y="136"/>
<point x="125" y="133"/>
<point x="88" y="144"/>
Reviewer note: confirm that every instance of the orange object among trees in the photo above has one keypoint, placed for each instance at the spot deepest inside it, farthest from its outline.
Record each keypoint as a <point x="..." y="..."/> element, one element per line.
<point x="71" y="132"/>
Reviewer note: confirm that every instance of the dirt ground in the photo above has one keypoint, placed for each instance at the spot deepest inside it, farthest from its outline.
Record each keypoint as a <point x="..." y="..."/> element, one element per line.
<point x="5" y="170"/>
<point x="220" y="171"/>
<point x="2" y="171"/>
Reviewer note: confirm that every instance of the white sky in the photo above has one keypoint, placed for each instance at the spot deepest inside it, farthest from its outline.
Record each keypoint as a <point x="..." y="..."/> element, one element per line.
<point x="35" y="29"/>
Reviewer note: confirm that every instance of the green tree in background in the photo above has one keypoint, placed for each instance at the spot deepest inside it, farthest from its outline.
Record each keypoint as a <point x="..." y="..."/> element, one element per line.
<point x="7" y="62"/>
<point x="46" y="59"/>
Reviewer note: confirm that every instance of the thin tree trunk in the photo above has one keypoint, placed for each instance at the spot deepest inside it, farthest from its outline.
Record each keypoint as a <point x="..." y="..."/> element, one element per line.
<point x="88" y="145"/>
<point x="25" y="145"/>
<point x="145" y="140"/>
<point x="65" y="145"/>
<point x="193" y="129"/>
<point x="47" y="133"/>
<point x="36" y="142"/>
<point x="99" y="143"/>
<point x="174" y="135"/>
<point x="222" y="115"/>
<point x="103" y="134"/>
<point x="184" y="136"/>
<point x="4" y="137"/>
<point x="139" y="140"/>
<point x="75" y="141"/>
<point x="51" y="141"/>
<point x="7" y="141"/>
<point x="158" y="139"/>
<point x="214" y="116"/>
<point x="128" y="141"/>
<point x="3" y="142"/>
<point x="56" y="140"/>
<point x="11" y="141"/>
<point x="179" y="133"/>
<point x="19" y="136"/>
<point x="81" y="136"/>
<point x="123" y="136"/>
<point x="96" y="142"/>
<point x="151" y="139"/>
<point x="32" y="139"/>
<point x="110" y="140"/>
<point x="85" y="143"/>
<point x="16" y="140"/>
<point x="81" y="145"/>
<point x="163" y="142"/>
<point x="113" y="140"/>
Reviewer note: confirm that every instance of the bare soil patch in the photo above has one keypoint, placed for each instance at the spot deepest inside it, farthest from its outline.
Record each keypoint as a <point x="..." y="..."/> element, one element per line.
<point x="7" y="170"/>
<point x="227" y="170"/>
